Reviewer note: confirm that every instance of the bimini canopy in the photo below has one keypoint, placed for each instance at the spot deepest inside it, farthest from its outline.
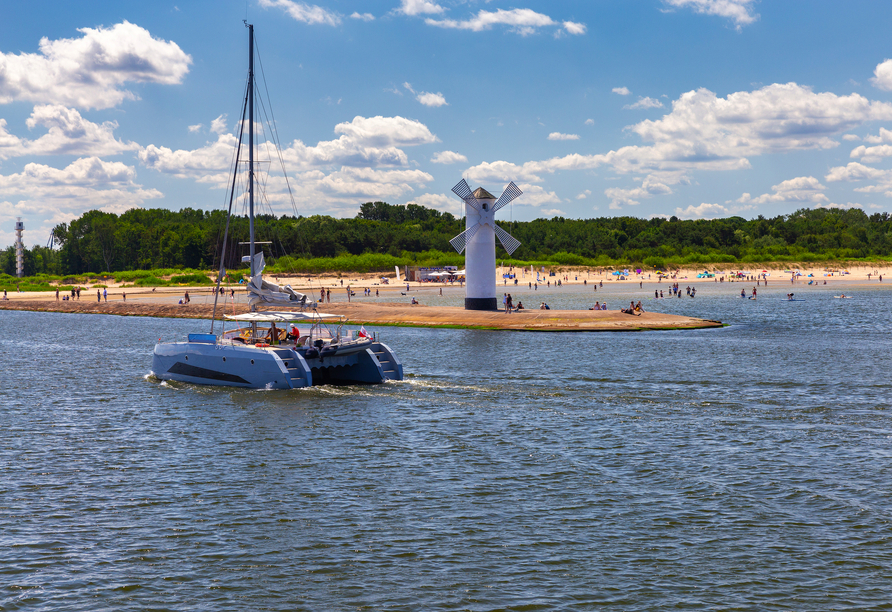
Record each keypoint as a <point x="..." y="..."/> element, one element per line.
<point x="280" y="317"/>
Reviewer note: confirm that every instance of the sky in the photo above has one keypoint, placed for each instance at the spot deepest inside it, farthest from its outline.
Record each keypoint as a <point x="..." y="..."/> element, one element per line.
<point x="594" y="108"/>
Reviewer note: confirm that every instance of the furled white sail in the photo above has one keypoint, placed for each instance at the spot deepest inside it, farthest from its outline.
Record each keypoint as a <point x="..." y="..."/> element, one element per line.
<point x="261" y="292"/>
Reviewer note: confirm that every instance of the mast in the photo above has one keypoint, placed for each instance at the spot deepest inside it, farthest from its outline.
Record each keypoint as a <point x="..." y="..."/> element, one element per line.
<point x="251" y="142"/>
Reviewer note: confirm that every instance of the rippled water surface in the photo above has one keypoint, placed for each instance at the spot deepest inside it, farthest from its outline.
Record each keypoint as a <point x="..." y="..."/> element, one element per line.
<point x="742" y="468"/>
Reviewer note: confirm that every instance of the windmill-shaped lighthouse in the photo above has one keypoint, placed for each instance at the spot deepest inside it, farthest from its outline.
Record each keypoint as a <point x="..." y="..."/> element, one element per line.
<point x="479" y="242"/>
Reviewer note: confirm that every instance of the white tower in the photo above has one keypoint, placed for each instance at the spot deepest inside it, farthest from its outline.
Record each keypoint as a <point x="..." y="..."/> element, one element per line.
<point x="479" y="238"/>
<point x="19" y="248"/>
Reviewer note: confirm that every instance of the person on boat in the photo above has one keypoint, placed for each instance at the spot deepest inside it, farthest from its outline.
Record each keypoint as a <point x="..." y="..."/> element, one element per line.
<point x="293" y="334"/>
<point x="272" y="336"/>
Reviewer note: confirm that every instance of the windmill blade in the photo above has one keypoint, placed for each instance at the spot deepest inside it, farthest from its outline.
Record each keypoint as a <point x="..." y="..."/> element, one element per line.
<point x="462" y="190"/>
<point x="511" y="192"/>
<point x="508" y="241"/>
<point x="461" y="241"/>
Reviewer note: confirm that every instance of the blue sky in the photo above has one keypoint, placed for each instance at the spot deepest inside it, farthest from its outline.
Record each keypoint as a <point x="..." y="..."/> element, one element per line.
<point x="694" y="108"/>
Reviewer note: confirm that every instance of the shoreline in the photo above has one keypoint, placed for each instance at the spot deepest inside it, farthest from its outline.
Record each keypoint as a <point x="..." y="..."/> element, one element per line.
<point x="400" y="315"/>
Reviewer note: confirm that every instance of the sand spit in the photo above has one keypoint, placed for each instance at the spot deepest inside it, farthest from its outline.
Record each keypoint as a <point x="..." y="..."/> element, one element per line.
<point x="396" y="314"/>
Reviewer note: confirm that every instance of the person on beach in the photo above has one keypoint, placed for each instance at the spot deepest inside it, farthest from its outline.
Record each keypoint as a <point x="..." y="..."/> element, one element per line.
<point x="4" y="295"/>
<point x="597" y="306"/>
<point x="105" y="294"/>
<point x="510" y="303"/>
<point x="638" y="307"/>
<point x="505" y="302"/>
<point x="98" y="296"/>
<point x="78" y="293"/>
<point x="656" y="295"/>
<point x="124" y="295"/>
<point x="186" y="298"/>
<point x="322" y="295"/>
<point x="57" y="295"/>
<point x="520" y="306"/>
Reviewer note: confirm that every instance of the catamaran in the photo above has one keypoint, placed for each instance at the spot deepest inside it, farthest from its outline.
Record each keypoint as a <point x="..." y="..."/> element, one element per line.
<point x="273" y="349"/>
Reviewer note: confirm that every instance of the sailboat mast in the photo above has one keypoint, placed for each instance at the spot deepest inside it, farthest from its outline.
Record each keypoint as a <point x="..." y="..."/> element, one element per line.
<point x="251" y="142"/>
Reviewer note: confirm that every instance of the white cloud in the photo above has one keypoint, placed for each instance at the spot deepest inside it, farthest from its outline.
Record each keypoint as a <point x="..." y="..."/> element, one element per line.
<point x="68" y="133"/>
<point x="882" y="78"/>
<point x="196" y="128"/>
<point x="87" y="183"/>
<point x="304" y="13"/>
<point x="799" y="189"/>
<point x="590" y="122"/>
<point x="89" y="72"/>
<point x="853" y="172"/>
<point x="439" y="201"/>
<point x="577" y="29"/>
<point x="419" y="7"/>
<point x="850" y="137"/>
<point x="559" y="136"/>
<point x="386" y="131"/>
<point x="645" y="103"/>
<point x="449" y="157"/>
<point x="364" y="162"/>
<point x="363" y="16"/>
<point x="704" y="210"/>
<point x="623" y="91"/>
<point x="218" y="125"/>
<point x="650" y="186"/>
<point x="739" y="11"/>
<point x="432" y="99"/>
<point x="584" y="194"/>
<point x="884" y="136"/>
<point x="521" y="21"/>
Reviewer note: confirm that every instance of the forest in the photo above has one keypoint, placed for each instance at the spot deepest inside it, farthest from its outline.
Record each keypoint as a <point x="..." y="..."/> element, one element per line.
<point x="383" y="235"/>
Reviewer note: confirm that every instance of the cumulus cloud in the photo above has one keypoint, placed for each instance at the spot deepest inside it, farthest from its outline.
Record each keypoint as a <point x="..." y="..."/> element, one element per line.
<point x="304" y="13"/>
<point x="559" y="136"/>
<point x="365" y="162"/>
<point x="650" y="186"/>
<point x="853" y="172"/>
<point x="884" y="136"/>
<point x="584" y="194"/>
<point x="432" y="99"/>
<point x="90" y="72"/>
<point x="623" y="91"/>
<point x="449" y="157"/>
<point x="438" y="201"/>
<point x="521" y="21"/>
<point x="87" y="183"/>
<point x="68" y="133"/>
<point x="218" y="125"/>
<point x="800" y="189"/>
<point x="882" y="75"/>
<point x="419" y="7"/>
<point x="590" y="122"/>
<point x="196" y="128"/>
<point x="645" y="103"/>
<point x="386" y="131"/>
<point x="738" y="11"/>
<point x="363" y="16"/>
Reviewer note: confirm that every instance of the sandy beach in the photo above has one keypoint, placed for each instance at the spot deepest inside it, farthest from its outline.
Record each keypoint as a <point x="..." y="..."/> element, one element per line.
<point x="397" y="309"/>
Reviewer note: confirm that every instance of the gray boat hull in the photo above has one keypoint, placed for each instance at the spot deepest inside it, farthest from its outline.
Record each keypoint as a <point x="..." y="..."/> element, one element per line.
<point x="275" y="367"/>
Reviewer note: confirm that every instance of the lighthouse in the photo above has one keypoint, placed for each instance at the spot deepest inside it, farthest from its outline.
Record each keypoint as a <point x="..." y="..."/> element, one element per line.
<point x="19" y="248"/>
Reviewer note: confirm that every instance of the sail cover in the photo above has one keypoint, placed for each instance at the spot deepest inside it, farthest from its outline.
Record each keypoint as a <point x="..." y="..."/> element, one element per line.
<point x="266" y="293"/>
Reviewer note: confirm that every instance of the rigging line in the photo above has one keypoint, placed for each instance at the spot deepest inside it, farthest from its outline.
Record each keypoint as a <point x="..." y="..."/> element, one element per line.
<point x="228" y="217"/>
<point x="276" y="139"/>
<point x="233" y="168"/>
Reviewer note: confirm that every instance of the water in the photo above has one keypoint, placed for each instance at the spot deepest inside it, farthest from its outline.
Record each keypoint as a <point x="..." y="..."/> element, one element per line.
<point x="743" y="468"/>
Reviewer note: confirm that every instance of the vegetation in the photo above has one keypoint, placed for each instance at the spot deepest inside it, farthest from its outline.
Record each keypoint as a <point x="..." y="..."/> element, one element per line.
<point x="156" y="246"/>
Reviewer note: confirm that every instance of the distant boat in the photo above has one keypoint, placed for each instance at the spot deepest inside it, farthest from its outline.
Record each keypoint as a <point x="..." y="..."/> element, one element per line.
<point x="274" y="349"/>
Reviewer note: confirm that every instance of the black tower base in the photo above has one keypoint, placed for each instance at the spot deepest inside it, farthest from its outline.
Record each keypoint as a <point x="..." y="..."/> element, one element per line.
<point x="481" y="304"/>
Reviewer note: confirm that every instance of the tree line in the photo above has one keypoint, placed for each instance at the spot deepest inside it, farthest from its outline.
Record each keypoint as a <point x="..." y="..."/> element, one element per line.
<point x="143" y="239"/>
